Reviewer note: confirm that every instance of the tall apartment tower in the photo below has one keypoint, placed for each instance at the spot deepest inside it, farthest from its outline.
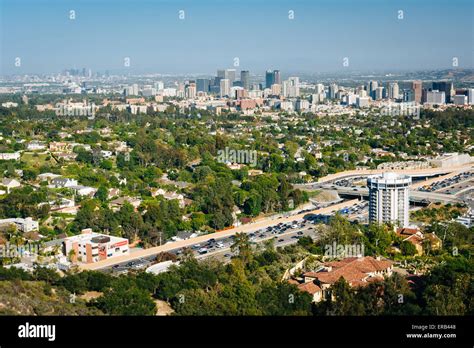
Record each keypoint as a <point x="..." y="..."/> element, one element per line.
<point x="417" y="91"/>
<point x="389" y="198"/>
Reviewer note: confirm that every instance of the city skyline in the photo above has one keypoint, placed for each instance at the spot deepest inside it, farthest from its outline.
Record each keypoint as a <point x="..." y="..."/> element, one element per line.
<point x="294" y="36"/>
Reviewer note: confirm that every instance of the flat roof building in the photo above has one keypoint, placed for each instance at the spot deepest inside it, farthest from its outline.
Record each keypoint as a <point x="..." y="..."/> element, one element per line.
<point x="89" y="247"/>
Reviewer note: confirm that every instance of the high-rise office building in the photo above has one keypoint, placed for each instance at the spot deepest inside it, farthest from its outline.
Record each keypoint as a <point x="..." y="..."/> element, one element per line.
<point x="460" y="99"/>
<point x="245" y="79"/>
<point x="202" y="85"/>
<point x="434" y="97"/>
<point x="221" y="74"/>
<point x="470" y="96"/>
<point x="372" y="86"/>
<point x="319" y="89"/>
<point x="389" y="198"/>
<point x="446" y="87"/>
<point x="276" y="77"/>
<point x="190" y="91"/>
<point x="230" y="74"/>
<point x="159" y="85"/>
<point x="333" y="88"/>
<point x="269" y="79"/>
<point x="225" y="74"/>
<point x="393" y="90"/>
<point x="224" y="87"/>
<point x="416" y="87"/>
<point x="291" y="87"/>
<point x="378" y="93"/>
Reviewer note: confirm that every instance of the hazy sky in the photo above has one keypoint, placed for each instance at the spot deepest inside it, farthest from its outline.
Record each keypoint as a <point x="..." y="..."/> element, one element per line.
<point x="214" y="32"/>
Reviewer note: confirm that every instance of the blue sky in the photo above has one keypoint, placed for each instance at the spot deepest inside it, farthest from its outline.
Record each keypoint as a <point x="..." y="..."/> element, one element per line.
<point x="214" y="32"/>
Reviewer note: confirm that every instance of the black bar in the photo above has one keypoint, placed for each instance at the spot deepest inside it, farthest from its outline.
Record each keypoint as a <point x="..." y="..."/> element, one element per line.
<point x="195" y="331"/>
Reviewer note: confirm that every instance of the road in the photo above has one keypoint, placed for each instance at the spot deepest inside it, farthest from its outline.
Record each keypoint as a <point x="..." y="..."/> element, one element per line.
<point x="248" y="228"/>
<point x="411" y="172"/>
<point x="220" y="249"/>
<point x="417" y="196"/>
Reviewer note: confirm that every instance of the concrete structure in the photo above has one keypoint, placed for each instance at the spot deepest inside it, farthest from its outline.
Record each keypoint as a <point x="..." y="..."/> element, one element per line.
<point x="389" y="198"/>
<point x="90" y="247"/>
<point x="451" y="160"/>
<point x="23" y="225"/>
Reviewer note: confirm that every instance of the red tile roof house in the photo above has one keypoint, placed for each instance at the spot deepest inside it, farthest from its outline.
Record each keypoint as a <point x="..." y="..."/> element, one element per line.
<point x="357" y="271"/>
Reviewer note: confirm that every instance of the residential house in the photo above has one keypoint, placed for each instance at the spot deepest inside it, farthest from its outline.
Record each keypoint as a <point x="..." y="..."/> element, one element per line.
<point x="10" y="184"/>
<point x="357" y="271"/>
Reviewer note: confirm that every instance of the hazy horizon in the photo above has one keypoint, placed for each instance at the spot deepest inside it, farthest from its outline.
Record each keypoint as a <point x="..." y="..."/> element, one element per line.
<point x="213" y="33"/>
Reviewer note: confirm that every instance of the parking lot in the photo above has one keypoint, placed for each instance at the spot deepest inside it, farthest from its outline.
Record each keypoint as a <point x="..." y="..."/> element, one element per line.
<point x="452" y="185"/>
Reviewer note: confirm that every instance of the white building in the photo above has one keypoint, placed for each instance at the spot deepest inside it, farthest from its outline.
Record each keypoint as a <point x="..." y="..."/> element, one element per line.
<point x="435" y="97"/>
<point x="362" y="102"/>
<point x="35" y="145"/>
<point x="393" y="90"/>
<point x="460" y="99"/>
<point x="89" y="247"/>
<point x="63" y="182"/>
<point x="23" y="225"/>
<point x="7" y="156"/>
<point x="224" y="89"/>
<point x="291" y="87"/>
<point x="470" y="94"/>
<point x="302" y="105"/>
<point x="389" y="198"/>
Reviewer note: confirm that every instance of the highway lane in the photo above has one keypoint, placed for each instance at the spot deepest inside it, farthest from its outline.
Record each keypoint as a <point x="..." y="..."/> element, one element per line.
<point x="411" y="172"/>
<point x="414" y="195"/>
<point x="221" y="247"/>
<point x="247" y="228"/>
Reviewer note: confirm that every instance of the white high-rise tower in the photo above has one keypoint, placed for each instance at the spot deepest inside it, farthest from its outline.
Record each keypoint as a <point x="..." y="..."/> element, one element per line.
<point x="389" y="198"/>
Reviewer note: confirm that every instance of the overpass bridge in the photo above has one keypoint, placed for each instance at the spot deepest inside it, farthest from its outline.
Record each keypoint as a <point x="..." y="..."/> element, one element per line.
<point x="415" y="196"/>
<point x="411" y="172"/>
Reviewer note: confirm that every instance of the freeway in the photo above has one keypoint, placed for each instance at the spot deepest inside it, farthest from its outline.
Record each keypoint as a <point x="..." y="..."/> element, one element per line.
<point x="220" y="248"/>
<point x="416" y="196"/>
<point x="248" y="228"/>
<point x="411" y="172"/>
